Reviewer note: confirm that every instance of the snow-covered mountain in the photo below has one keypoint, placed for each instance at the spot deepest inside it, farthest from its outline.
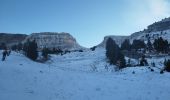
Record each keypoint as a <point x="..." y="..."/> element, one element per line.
<point x="153" y="31"/>
<point x="144" y="35"/>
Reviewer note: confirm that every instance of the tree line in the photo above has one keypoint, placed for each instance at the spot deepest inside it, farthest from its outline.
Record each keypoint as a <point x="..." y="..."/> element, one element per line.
<point x="159" y="45"/>
<point x="116" y="57"/>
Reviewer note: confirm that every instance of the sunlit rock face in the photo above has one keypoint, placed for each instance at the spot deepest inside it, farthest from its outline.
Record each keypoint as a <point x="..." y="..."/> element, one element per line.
<point x="54" y="40"/>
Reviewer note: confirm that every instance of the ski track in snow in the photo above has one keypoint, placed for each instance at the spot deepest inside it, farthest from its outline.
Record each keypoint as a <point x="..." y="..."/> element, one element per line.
<point x="79" y="76"/>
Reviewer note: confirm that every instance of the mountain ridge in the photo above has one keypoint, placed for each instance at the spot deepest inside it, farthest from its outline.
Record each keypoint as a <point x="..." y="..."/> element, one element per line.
<point x="153" y="31"/>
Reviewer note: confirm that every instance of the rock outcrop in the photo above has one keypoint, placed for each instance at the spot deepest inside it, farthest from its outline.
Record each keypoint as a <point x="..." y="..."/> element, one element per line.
<point x="54" y="40"/>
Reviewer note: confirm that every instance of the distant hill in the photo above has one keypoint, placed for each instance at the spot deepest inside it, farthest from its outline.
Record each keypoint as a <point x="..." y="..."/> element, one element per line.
<point x="10" y="39"/>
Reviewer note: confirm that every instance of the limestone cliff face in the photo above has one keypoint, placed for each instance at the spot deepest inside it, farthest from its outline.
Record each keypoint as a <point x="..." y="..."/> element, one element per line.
<point x="54" y="40"/>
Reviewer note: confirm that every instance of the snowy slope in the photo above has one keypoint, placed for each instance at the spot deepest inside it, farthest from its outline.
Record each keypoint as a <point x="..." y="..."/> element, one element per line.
<point x="153" y="31"/>
<point x="152" y="35"/>
<point x="71" y="77"/>
<point x="142" y="35"/>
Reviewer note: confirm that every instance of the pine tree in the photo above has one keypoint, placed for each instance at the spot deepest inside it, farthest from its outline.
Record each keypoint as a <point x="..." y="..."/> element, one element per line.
<point x="138" y="44"/>
<point x="30" y="49"/>
<point x="19" y="46"/>
<point x="161" y="45"/>
<point x="14" y="47"/>
<point x="111" y="51"/>
<point x="33" y="50"/>
<point x="114" y="55"/>
<point x="121" y="59"/>
<point x="3" y="46"/>
<point x="26" y="47"/>
<point x="149" y="45"/>
<point x="126" y="45"/>
<point x="45" y="53"/>
<point x="167" y="65"/>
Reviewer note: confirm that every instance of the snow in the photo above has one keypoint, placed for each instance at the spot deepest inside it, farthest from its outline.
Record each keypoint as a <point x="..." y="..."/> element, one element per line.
<point x="79" y="76"/>
<point x="153" y="35"/>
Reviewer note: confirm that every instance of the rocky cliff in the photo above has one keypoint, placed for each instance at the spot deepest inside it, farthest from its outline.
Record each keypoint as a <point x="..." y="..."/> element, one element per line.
<point x="54" y="40"/>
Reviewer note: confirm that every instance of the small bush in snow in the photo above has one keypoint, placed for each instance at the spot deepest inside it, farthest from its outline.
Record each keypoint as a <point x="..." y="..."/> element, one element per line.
<point x="45" y="53"/>
<point x="93" y="48"/>
<point x="167" y="65"/>
<point x="143" y="61"/>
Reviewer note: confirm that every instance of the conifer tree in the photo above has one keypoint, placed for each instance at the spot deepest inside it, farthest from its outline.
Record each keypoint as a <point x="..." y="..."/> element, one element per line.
<point x="161" y="45"/>
<point x="45" y="53"/>
<point x="126" y="45"/>
<point x="149" y="45"/>
<point x="30" y="49"/>
<point x="19" y="46"/>
<point x="167" y="65"/>
<point x="2" y="46"/>
<point x="114" y="55"/>
<point x="138" y="44"/>
<point x="111" y="51"/>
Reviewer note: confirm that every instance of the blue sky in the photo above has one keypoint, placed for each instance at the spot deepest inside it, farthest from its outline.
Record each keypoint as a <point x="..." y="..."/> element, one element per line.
<point x="87" y="20"/>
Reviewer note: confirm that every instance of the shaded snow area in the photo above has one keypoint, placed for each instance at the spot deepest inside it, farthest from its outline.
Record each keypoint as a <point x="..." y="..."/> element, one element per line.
<point x="79" y="76"/>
